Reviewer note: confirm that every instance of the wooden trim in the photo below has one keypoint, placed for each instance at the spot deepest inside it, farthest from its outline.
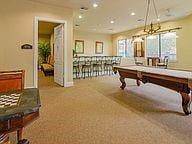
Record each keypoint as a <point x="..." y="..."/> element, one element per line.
<point x="17" y="123"/>
<point x="12" y="80"/>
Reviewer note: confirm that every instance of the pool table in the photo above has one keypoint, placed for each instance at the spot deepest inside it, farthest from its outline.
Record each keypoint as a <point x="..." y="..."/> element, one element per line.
<point x="177" y="80"/>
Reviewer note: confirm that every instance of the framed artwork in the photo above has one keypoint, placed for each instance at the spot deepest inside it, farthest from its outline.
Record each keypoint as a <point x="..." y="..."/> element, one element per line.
<point x="98" y="47"/>
<point x="79" y="46"/>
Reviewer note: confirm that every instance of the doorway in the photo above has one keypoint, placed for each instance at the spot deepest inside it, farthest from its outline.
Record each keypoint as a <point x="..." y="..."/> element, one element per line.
<point x="50" y="33"/>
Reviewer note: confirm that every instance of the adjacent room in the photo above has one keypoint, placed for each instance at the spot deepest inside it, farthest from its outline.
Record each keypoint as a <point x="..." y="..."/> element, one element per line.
<point x="45" y="51"/>
<point x="95" y="72"/>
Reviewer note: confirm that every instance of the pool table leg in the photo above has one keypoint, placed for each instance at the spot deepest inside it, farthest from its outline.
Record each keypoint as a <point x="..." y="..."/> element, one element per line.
<point x="122" y="79"/>
<point x="186" y="101"/>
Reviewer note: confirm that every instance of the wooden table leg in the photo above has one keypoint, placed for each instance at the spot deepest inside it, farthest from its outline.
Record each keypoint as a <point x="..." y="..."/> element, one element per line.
<point x="122" y="79"/>
<point x="19" y="137"/>
<point x="19" y="134"/>
<point x="23" y="141"/>
<point x="186" y="101"/>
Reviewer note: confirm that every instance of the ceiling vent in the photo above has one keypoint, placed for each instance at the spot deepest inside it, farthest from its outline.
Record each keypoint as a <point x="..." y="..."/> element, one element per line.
<point x="169" y="13"/>
<point x="84" y="8"/>
<point x="140" y="20"/>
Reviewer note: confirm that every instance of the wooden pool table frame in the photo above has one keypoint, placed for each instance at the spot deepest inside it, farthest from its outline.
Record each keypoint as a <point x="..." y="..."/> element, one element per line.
<point x="177" y="84"/>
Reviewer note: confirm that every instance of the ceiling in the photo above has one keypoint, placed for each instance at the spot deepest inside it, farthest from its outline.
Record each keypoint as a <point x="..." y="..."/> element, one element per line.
<point x="98" y="19"/>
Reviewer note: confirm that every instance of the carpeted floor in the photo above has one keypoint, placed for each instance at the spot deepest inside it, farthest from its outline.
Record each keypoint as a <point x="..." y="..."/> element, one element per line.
<point x="96" y="111"/>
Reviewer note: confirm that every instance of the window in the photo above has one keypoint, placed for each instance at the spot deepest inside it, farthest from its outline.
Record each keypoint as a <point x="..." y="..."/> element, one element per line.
<point x="153" y="46"/>
<point x="162" y="45"/>
<point x="125" y="48"/>
<point x="168" y="45"/>
<point x="130" y="51"/>
<point x="122" y="48"/>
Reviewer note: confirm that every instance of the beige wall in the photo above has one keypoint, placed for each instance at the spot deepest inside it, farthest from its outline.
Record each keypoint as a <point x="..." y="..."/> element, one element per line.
<point x="17" y="28"/>
<point x="89" y="42"/>
<point x="184" y="44"/>
<point x="44" y="38"/>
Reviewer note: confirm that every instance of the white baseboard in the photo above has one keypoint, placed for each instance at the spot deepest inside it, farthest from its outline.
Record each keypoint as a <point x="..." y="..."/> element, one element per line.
<point x="69" y="84"/>
<point x="29" y="87"/>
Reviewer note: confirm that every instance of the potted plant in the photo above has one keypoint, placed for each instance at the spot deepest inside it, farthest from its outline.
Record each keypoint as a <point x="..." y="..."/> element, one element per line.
<point x="44" y="50"/>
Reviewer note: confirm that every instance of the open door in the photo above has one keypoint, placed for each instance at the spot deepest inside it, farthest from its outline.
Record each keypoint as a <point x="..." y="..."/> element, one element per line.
<point x="59" y="54"/>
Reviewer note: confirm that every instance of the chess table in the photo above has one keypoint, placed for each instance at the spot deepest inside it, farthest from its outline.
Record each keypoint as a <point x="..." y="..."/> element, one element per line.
<point x="17" y="109"/>
<point x="177" y="80"/>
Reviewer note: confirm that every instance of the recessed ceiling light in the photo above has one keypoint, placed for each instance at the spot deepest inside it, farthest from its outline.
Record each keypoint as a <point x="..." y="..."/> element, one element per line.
<point x="80" y="16"/>
<point x="158" y="19"/>
<point x="132" y="13"/>
<point x="95" y="5"/>
<point x="112" y="21"/>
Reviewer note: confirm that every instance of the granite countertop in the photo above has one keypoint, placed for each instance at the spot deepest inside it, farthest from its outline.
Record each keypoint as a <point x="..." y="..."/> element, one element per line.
<point x="29" y="102"/>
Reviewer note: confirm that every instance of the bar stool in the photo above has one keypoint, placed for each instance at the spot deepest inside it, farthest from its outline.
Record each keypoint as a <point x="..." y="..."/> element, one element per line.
<point x="116" y="60"/>
<point x="97" y="64"/>
<point x="76" y="66"/>
<point x="108" y="64"/>
<point x="86" y="67"/>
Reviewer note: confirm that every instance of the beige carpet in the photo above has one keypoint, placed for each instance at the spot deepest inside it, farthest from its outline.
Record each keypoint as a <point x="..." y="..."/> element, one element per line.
<point x="96" y="111"/>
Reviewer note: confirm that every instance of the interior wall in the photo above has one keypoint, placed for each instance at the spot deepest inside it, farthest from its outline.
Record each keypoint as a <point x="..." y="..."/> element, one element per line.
<point x="44" y="38"/>
<point x="17" y="28"/>
<point x="184" y="45"/>
<point x="89" y="42"/>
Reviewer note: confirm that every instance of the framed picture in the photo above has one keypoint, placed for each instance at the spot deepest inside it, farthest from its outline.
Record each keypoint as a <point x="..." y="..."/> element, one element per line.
<point x="79" y="46"/>
<point x="98" y="47"/>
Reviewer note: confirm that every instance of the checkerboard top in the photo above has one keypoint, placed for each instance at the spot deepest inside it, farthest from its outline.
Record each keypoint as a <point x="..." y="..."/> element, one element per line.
<point x="9" y="100"/>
